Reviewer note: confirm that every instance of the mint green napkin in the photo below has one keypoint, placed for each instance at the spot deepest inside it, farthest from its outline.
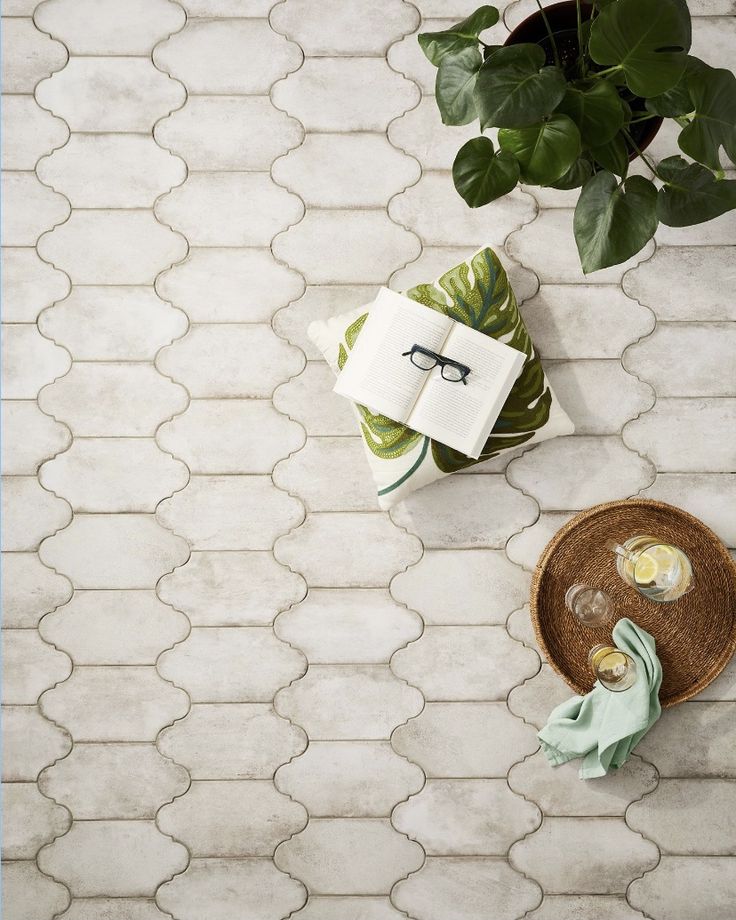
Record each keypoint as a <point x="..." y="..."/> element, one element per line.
<point x="604" y="727"/>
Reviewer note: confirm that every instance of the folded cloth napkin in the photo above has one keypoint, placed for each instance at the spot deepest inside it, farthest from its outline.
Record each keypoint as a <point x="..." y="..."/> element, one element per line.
<point x="604" y="727"/>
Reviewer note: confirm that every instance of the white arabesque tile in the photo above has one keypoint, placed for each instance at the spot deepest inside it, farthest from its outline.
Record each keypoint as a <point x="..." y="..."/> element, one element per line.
<point x="535" y="699"/>
<point x="30" y="513"/>
<point x="335" y="907"/>
<point x="29" y="208"/>
<point x="111" y="170"/>
<point x="421" y="134"/>
<point x="526" y="547"/>
<point x="30" y="361"/>
<point x="350" y="779"/>
<point x="30" y="666"/>
<point x="407" y="57"/>
<point x="104" y="27"/>
<point x="716" y="232"/>
<point x="30" y="895"/>
<point x="30" y="820"/>
<point x="28" y="55"/>
<point x="30" y="437"/>
<point x="230" y="512"/>
<point x="229" y="209"/>
<point x="217" y="132"/>
<point x="711" y="723"/>
<point x="310" y="401"/>
<point x="30" y="743"/>
<point x="114" y="551"/>
<point x="114" y="627"/>
<point x="30" y="590"/>
<point x="231" y="588"/>
<point x="131" y="780"/>
<point x="329" y="474"/>
<point x="580" y="906"/>
<point x="345" y="94"/>
<point x="28" y="285"/>
<point x="709" y="496"/>
<point x="29" y="132"/>
<point x="679" y="882"/>
<point x="82" y="95"/>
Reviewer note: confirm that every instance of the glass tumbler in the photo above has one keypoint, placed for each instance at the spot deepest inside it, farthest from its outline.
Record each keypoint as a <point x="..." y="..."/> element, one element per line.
<point x="590" y="606"/>
<point x="614" y="669"/>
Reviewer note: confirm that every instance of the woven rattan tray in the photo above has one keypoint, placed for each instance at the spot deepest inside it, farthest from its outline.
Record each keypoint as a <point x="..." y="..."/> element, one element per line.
<point x="695" y="635"/>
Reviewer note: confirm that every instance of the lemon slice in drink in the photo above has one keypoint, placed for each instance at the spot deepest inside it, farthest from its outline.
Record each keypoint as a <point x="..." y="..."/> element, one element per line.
<point x="651" y="562"/>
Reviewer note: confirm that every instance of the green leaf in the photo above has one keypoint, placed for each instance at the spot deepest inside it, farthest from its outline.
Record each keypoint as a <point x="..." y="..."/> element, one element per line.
<point x="648" y="39"/>
<point x="544" y="151"/>
<point x="691" y="194"/>
<point x="613" y="156"/>
<point x="385" y="437"/>
<point x="480" y="175"/>
<point x="454" y="86"/>
<point x="712" y="94"/>
<point x="613" y="221"/>
<point x="596" y="109"/>
<point x="577" y="175"/>
<point x="514" y="88"/>
<point x="676" y="101"/>
<point x="462" y="35"/>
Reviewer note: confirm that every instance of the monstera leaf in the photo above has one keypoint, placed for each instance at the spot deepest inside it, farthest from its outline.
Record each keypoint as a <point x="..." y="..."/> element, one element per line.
<point x="486" y="302"/>
<point x="436" y="45"/>
<point x="691" y="193"/>
<point x="712" y="93"/>
<point x="514" y="88"/>
<point x="482" y="175"/>
<point x="595" y="107"/>
<point x="545" y="151"/>
<point x="455" y="85"/>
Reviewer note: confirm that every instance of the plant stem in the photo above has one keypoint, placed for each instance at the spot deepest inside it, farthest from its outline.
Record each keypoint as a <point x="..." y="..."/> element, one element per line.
<point x="581" y="56"/>
<point x="604" y="73"/>
<point x="555" y="53"/>
<point x="646" y="160"/>
<point x="642" y="118"/>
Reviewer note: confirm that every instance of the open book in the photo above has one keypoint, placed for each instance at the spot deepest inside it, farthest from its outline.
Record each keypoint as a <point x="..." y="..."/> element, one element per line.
<point x="379" y="375"/>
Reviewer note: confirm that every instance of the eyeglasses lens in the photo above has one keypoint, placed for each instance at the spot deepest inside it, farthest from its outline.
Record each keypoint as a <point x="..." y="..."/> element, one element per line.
<point x="425" y="362"/>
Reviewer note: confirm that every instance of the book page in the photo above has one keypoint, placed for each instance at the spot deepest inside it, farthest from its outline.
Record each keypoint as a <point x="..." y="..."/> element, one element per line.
<point x="376" y="374"/>
<point x="463" y="416"/>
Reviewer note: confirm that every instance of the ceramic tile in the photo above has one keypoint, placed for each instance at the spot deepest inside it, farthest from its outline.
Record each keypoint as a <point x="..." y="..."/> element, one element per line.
<point x="680" y="882"/>
<point x="309" y="400"/>
<point x="466" y="817"/>
<point x="526" y="547"/>
<point x="209" y="360"/>
<point x="407" y="57"/>
<point x="472" y="740"/>
<point x="319" y="302"/>
<point x="582" y="906"/>
<point x="329" y="29"/>
<point x="114" y="627"/>
<point x="28" y="285"/>
<point x="216" y="436"/>
<point x="348" y="626"/>
<point x="713" y="40"/>
<point x="326" y="552"/>
<point x="108" y="323"/>
<point x="250" y="285"/>
<point x="30" y="590"/>
<point x="519" y="626"/>
<point x="114" y="474"/>
<point x="28" y="55"/>
<point x="349" y="779"/>
<point x="349" y="856"/>
<point x="547" y="246"/>
<point x="337" y="94"/>
<point x="652" y="434"/>
<point x="235" y="56"/>
<point x="112" y="247"/>
<point x="142" y="702"/>
<point x="243" y="818"/>
<point x="345" y="702"/>
<point x="723" y="687"/>
<point x="113" y="857"/>
<point x="209" y="209"/>
<point x="559" y="791"/>
<point x="704" y="280"/>
<point x="688" y="817"/>
<point x="231" y="889"/>
<point x="30" y="743"/>
<point x="131" y="781"/>
<point x="225" y="8"/>
<point x="585" y="321"/>
<point x="30" y="666"/>
<point x="29" y="132"/>
<point x="709" y="496"/>
<point x="584" y="855"/>
<point x="230" y="512"/>
<point x="420" y="132"/>
<point x="717" y="232"/>
<point x="448" y="885"/>
<point x="30" y="513"/>
<point x="113" y="909"/>
<point x="464" y="663"/>
<point x="231" y="589"/>
<point x="82" y="94"/>
<point x="232" y="741"/>
<point x="29" y="361"/>
<point x="454" y="512"/>
<point x="574" y="472"/>
<point x="29" y="895"/>
<point x="130" y="551"/>
<point x="329" y="474"/>
<point x="29" y="821"/>
<point x="335" y="907"/>
<point x="710" y="722"/>
<point x="365" y="247"/>
<point x="111" y="171"/>
<point x="537" y="697"/>
<point x="29" y="208"/>
<point x="30" y="437"/>
<point x="323" y="170"/>
<point x="216" y="132"/>
<point x="483" y="585"/>
<point x="102" y="27"/>
<point x="678" y="359"/>
<point x="241" y="665"/>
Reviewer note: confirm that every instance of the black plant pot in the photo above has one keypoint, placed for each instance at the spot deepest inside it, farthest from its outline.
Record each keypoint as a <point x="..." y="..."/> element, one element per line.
<point x="562" y="18"/>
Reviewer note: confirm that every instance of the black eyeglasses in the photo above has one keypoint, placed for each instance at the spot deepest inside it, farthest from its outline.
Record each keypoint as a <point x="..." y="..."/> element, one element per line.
<point x="425" y="360"/>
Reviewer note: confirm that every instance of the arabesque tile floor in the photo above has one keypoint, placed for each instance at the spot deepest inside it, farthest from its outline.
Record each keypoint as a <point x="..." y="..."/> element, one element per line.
<point x="188" y="731"/>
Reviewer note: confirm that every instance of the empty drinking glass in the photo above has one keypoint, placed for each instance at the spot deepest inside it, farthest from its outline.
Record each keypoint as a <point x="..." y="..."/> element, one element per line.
<point x="614" y="669"/>
<point x="590" y="606"/>
<point x="659" y="571"/>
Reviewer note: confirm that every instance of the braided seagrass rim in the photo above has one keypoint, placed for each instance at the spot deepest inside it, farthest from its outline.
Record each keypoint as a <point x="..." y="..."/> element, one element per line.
<point x="695" y="635"/>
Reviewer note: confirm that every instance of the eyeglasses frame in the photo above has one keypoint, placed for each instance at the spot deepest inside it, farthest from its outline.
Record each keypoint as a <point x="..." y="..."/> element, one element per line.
<point x="439" y="361"/>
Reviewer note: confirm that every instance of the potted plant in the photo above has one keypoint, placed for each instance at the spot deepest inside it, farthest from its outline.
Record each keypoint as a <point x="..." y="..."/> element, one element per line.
<point x="576" y="92"/>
